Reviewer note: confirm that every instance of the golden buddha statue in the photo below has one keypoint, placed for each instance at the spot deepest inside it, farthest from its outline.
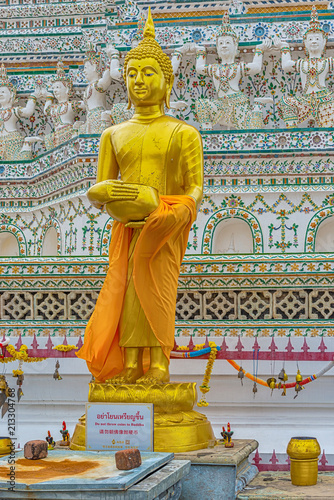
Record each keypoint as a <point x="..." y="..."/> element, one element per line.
<point x="160" y="163"/>
<point x="150" y="179"/>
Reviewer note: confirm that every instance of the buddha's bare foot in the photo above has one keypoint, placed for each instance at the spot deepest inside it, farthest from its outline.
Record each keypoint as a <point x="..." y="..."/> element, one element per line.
<point x="126" y="376"/>
<point x="154" y="376"/>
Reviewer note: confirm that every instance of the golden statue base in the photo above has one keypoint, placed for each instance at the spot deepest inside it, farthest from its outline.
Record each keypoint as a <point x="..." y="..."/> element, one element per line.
<point x="177" y="427"/>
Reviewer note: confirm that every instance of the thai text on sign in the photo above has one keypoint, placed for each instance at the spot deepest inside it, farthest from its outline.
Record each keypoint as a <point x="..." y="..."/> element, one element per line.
<point x="117" y="426"/>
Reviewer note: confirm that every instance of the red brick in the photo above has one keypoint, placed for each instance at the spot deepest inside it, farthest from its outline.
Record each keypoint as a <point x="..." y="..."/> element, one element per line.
<point x="35" y="450"/>
<point x="128" y="459"/>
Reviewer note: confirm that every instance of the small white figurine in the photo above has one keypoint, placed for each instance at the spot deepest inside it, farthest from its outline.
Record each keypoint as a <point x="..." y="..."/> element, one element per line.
<point x="61" y="110"/>
<point x="317" y="101"/>
<point x="232" y="107"/>
<point x="94" y="98"/>
<point x="13" y="145"/>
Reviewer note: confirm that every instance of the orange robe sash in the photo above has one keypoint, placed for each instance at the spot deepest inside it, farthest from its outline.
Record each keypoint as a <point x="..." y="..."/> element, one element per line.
<point x="157" y="259"/>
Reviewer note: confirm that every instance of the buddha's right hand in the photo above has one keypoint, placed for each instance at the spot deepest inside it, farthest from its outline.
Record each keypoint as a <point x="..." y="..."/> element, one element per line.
<point x="125" y="202"/>
<point x="121" y="191"/>
<point x="136" y="211"/>
<point x="111" y="190"/>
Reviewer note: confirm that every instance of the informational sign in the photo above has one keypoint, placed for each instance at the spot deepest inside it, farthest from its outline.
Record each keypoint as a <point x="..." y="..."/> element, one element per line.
<point x="117" y="426"/>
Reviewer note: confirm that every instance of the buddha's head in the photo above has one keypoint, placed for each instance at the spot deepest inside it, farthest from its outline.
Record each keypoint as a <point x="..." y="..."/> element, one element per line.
<point x="227" y="40"/>
<point x="148" y="71"/>
<point x="7" y="89"/>
<point x="315" y="37"/>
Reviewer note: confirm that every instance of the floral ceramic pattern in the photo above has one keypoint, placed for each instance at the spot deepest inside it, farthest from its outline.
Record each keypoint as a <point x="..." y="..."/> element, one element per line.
<point x="229" y="213"/>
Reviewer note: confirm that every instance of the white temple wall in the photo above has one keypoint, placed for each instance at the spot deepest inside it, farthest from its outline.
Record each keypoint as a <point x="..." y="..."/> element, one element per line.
<point x="8" y="245"/>
<point x="271" y="420"/>
<point x="83" y="230"/>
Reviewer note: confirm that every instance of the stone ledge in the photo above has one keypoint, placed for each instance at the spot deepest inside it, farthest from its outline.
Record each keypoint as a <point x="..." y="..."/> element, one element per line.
<point x="220" y="455"/>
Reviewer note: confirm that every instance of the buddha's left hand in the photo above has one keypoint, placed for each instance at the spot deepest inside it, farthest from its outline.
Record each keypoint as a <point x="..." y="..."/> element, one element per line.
<point x="136" y="224"/>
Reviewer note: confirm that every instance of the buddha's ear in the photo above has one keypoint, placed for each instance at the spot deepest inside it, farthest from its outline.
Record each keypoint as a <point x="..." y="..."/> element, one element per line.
<point x="169" y="91"/>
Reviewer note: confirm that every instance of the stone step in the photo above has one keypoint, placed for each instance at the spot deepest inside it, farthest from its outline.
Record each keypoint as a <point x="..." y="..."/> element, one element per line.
<point x="277" y="486"/>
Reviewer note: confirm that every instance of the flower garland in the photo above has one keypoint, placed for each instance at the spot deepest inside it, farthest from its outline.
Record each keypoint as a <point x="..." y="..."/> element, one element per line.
<point x="21" y="355"/>
<point x="200" y="350"/>
<point x="204" y="388"/>
<point x="65" y="348"/>
<point x="18" y="372"/>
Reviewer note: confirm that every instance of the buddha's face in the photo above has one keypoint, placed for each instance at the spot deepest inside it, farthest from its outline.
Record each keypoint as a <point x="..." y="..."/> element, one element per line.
<point x="315" y="43"/>
<point x="6" y="96"/>
<point x="226" y="47"/>
<point x="145" y="82"/>
<point x="90" y="70"/>
<point x="60" y="91"/>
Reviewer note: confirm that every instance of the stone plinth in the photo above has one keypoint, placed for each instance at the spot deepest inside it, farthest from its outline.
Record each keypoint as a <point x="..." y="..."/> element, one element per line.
<point x="219" y="472"/>
<point x="90" y="475"/>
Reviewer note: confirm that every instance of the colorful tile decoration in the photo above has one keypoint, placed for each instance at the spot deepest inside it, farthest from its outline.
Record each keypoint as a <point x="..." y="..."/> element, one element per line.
<point x="278" y="182"/>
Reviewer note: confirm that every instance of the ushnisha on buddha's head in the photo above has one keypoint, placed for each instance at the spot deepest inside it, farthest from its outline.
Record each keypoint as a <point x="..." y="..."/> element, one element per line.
<point x="227" y="41"/>
<point x="148" y="71"/>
